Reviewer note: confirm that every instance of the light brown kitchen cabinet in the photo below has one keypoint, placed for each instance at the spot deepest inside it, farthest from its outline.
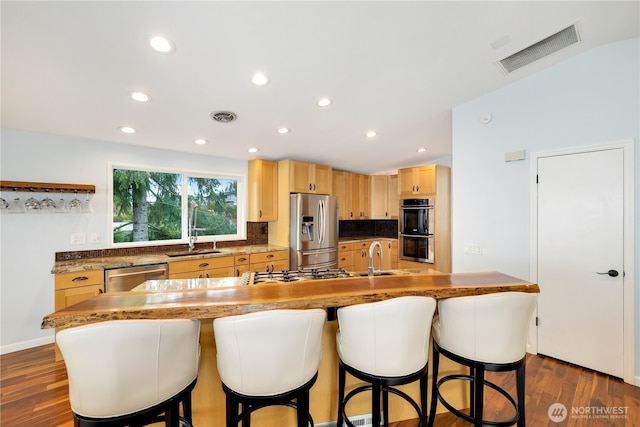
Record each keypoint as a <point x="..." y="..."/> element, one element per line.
<point x="363" y="184"/>
<point x="384" y="196"/>
<point x="379" y="202"/>
<point x="270" y="261"/>
<point x="263" y="190"/>
<point x="345" y="256"/>
<point x="72" y="288"/>
<point x="357" y="196"/>
<point x="389" y="254"/>
<point x="361" y="255"/>
<point x="203" y="268"/>
<point x="339" y="190"/>
<point x="241" y="264"/>
<point x="393" y="201"/>
<point x="417" y="181"/>
<point x="309" y="177"/>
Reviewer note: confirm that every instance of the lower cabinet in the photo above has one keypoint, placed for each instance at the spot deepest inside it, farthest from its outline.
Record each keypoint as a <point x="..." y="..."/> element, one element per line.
<point x="203" y="268"/>
<point x="72" y="288"/>
<point x="345" y="256"/>
<point x="354" y="256"/>
<point x="241" y="264"/>
<point x="361" y="255"/>
<point x="389" y="254"/>
<point x="270" y="261"/>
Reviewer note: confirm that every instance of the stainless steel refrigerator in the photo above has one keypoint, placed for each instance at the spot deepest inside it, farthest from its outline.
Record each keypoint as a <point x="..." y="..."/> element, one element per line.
<point x="313" y="231"/>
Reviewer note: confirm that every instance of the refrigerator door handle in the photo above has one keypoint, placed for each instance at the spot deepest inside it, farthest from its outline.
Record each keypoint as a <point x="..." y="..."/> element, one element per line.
<point x="319" y="266"/>
<point x="321" y="223"/>
<point x="319" y="251"/>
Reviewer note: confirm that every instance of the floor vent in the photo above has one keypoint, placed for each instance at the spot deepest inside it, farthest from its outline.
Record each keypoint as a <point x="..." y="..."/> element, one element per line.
<point x="541" y="49"/>
<point x="358" y="421"/>
<point x="361" y="420"/>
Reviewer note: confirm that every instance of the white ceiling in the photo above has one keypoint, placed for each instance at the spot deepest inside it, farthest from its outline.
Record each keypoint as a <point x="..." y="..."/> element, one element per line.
<point x="395" y="67"/>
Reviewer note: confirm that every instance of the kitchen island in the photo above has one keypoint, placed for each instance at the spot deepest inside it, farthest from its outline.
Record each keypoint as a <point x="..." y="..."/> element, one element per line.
<point x="210" y="303"/>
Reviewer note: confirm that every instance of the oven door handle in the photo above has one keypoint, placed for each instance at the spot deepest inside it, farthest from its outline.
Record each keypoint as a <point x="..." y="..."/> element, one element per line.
<point x="424" y="236"/>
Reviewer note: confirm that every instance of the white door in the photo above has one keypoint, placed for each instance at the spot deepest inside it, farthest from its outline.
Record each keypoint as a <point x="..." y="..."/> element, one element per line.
<point x="580" y="251"/>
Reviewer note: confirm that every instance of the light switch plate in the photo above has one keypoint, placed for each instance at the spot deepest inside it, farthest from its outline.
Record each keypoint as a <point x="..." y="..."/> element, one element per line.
<point x="78" y="239"/>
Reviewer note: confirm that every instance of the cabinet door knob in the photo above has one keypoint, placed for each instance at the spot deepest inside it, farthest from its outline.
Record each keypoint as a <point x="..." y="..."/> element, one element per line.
<point x="260" y="213"/>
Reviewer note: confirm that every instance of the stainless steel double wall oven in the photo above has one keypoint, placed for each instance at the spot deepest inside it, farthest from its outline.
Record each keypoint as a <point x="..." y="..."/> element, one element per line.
<point x="416" y="230"/>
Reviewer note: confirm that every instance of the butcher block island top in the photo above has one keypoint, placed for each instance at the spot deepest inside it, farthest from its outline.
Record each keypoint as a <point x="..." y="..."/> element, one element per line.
<point x="216" y="302"/>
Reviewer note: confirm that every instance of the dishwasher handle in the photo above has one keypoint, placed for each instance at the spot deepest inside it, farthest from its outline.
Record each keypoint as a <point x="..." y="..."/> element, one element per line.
<point x="159" y="270"/>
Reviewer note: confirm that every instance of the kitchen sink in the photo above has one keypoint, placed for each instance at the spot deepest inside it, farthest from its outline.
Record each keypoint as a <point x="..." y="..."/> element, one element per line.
<point x="382" y="273"/>
<point x="193" y="252"/>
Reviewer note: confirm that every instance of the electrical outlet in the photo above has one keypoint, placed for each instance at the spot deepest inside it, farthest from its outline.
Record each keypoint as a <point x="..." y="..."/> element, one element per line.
<point x="477" y="249"/>
<point x="95" y="237"/>
<point x="78" y="239"/>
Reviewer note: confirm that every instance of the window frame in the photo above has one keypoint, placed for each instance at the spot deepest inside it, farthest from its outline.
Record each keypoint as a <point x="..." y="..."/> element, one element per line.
<point x="242" y="199"/>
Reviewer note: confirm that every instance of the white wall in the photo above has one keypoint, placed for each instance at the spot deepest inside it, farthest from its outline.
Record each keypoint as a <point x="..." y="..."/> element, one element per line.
<point x="28" y="242"/>
<point x="592" y="98"/>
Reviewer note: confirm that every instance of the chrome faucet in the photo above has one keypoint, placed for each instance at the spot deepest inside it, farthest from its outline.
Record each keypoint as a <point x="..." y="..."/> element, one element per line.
<point x="370" y="270"/>
<point x="192" y="230"/>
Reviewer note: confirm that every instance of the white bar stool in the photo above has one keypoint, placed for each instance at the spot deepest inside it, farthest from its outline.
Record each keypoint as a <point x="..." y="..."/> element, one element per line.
<point x="485" y="333"/>
<point x="385" y="344"/>
<point x="131" y="372"/>
<point x="268" y="358"/>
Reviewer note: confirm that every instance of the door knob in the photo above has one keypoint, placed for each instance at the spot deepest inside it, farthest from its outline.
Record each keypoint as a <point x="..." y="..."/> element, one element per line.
<point x="612" y="273"/>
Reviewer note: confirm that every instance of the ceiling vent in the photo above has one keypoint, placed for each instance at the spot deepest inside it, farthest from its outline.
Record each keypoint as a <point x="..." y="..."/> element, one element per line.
<point x="223" y="116"/>
<point x="539" y="50"/>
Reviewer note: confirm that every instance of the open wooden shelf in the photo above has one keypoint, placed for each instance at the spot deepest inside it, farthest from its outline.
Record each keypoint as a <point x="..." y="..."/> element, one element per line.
<point x="46" y="187"/>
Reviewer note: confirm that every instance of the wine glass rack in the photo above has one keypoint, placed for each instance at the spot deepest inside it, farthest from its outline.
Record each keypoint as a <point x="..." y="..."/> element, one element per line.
<point x="45" y="187"/>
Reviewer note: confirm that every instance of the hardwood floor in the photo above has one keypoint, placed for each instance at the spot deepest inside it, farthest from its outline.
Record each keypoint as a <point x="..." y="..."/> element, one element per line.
<point x="34" y="393"/>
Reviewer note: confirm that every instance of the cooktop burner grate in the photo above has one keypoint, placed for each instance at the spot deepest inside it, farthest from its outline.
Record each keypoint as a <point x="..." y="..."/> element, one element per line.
<point x="294" y="276"/>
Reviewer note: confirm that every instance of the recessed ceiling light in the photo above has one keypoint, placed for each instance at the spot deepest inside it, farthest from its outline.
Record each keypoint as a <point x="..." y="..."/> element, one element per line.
<point x="260" y="79"/>
<point x="200" y="141"/>
<point x="127" y="129"/>
<point x="140" y="96"/>
<point x="421" y="150"/>
<point x="253" y="150"/>
<point x="324" y="102"/>
<point x="371" y="134"/>
<point x="161" y="44"/>
<point x="283" y="130"/>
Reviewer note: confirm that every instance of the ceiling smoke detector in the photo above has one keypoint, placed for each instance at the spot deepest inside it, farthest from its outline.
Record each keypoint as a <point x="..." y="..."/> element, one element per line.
<point x="223" y="116"/>
<point x="541" y="49"/>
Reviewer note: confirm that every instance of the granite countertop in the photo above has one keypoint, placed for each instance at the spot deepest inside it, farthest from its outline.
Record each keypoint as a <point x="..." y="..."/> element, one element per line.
<point x="88" y="264"/>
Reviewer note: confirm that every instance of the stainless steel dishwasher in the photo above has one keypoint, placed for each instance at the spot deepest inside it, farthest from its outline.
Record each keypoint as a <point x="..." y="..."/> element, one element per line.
<point x="127" y="278"/>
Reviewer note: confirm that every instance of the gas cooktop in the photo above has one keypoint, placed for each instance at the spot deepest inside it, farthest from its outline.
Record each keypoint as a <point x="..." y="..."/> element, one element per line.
<point x="293" y="275"/>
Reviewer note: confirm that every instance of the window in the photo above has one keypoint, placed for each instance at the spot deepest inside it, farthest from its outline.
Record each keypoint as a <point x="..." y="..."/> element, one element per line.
<point x="165" y="207"/>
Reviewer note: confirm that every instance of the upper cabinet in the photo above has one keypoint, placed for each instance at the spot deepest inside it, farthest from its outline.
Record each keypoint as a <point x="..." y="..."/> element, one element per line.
<point x="263" y="190"/>
<point x="352" y="190"/>
<point x="309" y="177"/>
<point x="417" y="181"/>
<point x="360" y="198"/>
<point x="339" y="190"/>
<point x="384" y="196"/>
